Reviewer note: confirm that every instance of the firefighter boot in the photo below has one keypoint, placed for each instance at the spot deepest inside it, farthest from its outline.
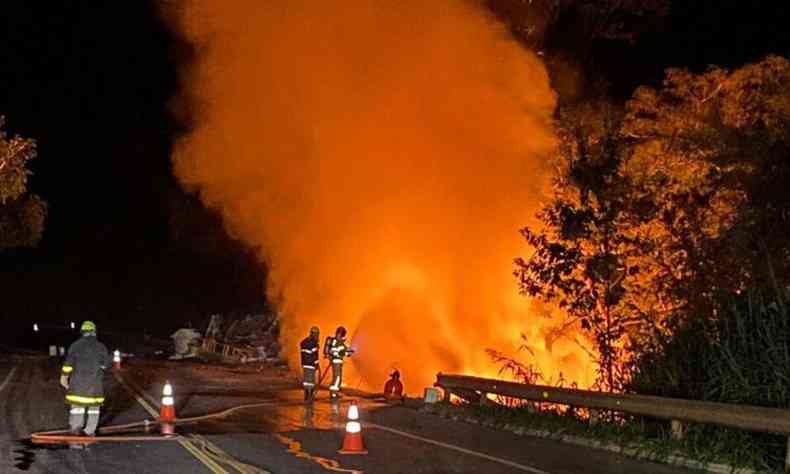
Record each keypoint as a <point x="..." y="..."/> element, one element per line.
<point x="76" y="423"/>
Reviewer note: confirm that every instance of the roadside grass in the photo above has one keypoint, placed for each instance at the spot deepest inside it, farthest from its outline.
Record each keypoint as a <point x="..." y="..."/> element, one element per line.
<point x="718" y="449"/>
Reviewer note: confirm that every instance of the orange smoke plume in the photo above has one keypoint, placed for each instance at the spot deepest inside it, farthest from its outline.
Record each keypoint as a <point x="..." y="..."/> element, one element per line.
<point x="382" y="155"/>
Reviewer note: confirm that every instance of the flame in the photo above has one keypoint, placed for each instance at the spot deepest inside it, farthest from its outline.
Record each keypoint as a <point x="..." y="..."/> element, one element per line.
<point x="382" y="156"/>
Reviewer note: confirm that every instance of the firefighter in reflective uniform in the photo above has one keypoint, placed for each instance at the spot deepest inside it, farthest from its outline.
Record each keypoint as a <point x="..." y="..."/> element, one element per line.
<point x="82" y="376"/>
<point x="336" y="352"/>
<point x="309" y="348"/>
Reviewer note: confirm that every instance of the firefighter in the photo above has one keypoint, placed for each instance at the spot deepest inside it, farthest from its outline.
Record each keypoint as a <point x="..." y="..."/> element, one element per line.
<point x="336" y="352"/>
<point x="393" y="389"/>
<point x="82" y="376"/>
<point x="309" y="348"/>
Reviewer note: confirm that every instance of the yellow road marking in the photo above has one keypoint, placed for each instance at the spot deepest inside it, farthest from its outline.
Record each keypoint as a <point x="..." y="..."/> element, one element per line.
<point x="208" y="462"/>
<point x="134" y="393"/>
<point x="295" y="448"/>
<point x="215" y="452"/>
<point x="214" y="467"/>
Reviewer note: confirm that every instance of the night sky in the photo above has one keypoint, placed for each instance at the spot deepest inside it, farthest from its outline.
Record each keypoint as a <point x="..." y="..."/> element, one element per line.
<point x="92" y="81"/>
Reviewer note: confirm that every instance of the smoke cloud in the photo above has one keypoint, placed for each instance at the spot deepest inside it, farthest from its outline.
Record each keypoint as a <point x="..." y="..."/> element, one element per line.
<point x="382" y="155"/>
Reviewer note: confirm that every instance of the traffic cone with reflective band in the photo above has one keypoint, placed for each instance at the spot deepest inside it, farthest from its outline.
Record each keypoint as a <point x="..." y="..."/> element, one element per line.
<point x="116" y="360"/>
<point x="167" y="411"/>
<point x="352" y="441"/>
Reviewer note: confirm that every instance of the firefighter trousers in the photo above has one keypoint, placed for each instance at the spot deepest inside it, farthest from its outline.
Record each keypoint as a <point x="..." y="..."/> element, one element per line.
<point x="337" y="379"/>
<point x="77" y="421"/>
<point x="308" y="381"/>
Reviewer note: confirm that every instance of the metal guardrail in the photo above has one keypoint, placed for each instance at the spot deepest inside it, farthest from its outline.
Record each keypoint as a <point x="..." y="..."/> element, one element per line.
<point x="745" y="417"/>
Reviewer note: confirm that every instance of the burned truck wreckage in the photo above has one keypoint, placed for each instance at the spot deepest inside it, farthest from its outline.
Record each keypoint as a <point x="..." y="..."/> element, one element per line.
<point x="247" y="339"/>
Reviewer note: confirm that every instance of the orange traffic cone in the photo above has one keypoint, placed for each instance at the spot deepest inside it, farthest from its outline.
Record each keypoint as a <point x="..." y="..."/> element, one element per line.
<point x="116" y="360"/>
<point x="167" y="411"/>
<point x="352" y="442"/>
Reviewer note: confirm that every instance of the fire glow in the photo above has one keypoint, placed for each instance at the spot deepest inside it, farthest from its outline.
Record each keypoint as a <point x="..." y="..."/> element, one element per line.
<point x="382" y="156"/>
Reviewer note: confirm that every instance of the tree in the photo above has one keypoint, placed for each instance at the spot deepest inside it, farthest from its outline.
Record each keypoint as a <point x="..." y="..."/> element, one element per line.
<point x="713" y="150"/>
<point x="657" y="212"/>
<point x="583" y="257"/>
<point x="22" y="213"/>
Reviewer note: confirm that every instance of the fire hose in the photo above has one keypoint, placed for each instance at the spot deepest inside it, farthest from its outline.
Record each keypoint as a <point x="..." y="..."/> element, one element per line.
<point x="65" y="436"/>
<point x="206" y="448"/>
<point x="322" y="374"/>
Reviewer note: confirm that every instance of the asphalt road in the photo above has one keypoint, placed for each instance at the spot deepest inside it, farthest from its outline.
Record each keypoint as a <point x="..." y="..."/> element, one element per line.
<point x="279" y="435"/>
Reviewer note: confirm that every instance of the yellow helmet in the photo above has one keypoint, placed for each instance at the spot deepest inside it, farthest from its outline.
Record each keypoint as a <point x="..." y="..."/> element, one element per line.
<point x="88" y="326"/>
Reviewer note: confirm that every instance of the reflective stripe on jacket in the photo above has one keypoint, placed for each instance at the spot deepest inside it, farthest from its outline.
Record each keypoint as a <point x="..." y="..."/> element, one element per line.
<point x="309" y="351"/>
<point x="338" y="351"/>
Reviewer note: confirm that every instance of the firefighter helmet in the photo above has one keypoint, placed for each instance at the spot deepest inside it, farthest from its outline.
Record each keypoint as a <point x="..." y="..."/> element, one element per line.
<point x="314" y="330"/>
<point x="340" y="333"/>
<point x="88" y="326"/>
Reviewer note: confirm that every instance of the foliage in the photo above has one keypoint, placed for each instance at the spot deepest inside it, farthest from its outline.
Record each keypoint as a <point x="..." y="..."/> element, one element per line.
<point x="582" y="256"/>
<point x="519" y="371"/>
<point x="22" y="214"/>
<point x="749" y="358"/>
<point x="657" y="211"/>
<point x="741" y="356"/>
<point x="670" y="365"/>
<point x="711" y="153"/>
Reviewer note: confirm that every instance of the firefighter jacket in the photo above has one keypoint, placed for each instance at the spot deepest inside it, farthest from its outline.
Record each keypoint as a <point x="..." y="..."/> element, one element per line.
<point x="85" y="364"/>
<point x="309" y="347"/>
<point x="338" y="350"/>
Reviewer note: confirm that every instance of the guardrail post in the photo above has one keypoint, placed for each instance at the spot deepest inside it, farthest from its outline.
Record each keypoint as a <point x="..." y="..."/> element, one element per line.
<point x="678" y="429"/>
<point x="595" y="417"/>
